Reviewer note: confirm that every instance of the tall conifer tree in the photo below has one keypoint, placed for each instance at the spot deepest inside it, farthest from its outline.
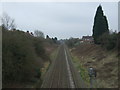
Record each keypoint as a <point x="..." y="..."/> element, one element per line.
<point x="100" y="24"/>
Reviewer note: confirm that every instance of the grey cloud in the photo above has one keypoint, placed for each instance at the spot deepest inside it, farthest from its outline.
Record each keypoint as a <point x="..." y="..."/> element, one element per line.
<point x="63" y="20"/>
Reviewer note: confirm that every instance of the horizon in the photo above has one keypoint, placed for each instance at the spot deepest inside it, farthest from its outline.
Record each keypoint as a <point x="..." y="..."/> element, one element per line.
<point x="62" y="20"/>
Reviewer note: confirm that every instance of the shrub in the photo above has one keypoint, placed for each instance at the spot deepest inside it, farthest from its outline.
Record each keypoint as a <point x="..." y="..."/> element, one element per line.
<point x="108" y="41"/>
<point x="20" y="53"/>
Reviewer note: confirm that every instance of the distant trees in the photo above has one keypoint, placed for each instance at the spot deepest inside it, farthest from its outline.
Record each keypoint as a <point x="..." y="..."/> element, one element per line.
<point x="55" y="38"/>
<point x="100" y="24"/>
<point x="52" y="40"/>
<point x="38" y="33"/>
<point x="71" y="42"/>
<point x="8" y="22"/>
<point x="47" y="37"/>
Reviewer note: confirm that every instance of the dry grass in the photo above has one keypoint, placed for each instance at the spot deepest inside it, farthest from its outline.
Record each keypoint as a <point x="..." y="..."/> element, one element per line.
<point x="105" y="62"/>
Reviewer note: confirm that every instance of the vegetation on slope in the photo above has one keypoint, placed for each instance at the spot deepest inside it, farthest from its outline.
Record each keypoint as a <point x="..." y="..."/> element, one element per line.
<point x="105" y="62"/>
<point x="23" y="58"/>
<point x="82" y="71"/>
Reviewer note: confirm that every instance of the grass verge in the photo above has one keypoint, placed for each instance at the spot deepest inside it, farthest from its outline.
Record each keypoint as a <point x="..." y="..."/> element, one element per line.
<point x="81" y="69"/>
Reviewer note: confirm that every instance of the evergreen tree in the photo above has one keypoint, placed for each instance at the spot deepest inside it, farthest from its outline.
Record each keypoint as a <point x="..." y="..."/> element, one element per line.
<point x="100" y="24"/>
<point x="56" y="38"/>
<point x="47" y="37"/>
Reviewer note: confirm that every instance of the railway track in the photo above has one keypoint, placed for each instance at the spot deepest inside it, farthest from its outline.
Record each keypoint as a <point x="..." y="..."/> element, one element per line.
<point x="55" y="83"/>
<point x="61" y="74"/>
<point x="79" y="83"/>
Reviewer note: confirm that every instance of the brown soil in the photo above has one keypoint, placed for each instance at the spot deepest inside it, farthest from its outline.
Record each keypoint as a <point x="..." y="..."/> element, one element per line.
<point x="105" y="62"/>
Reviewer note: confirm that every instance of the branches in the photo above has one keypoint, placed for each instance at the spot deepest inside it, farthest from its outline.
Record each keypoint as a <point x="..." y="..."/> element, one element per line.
<point x="38" y="33"/>
<point x="7" y="22"/>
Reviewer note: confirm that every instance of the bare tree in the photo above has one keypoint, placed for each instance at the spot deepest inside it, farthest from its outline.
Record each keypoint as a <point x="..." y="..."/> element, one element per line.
<point x="7" y="22"/>
<point x="38" y="33"/>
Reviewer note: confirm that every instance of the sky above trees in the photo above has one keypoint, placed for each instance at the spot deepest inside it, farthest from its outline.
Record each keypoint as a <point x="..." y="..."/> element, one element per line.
<point x="62" y="20"/>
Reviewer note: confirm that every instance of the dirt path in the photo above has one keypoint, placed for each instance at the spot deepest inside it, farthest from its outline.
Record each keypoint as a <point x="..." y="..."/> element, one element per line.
<point x="62" y="73"/>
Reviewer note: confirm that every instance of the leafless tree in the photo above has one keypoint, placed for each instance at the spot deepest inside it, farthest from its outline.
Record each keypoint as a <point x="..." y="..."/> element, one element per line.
<point x="38" y="33"/>
<point x="8" y="22"/>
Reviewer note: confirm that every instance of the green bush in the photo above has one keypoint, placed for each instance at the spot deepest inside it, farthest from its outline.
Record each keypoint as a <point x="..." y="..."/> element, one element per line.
<point x="108" y="41"/>
<point x="39" y="50"/>
<point x="20" y="53"/>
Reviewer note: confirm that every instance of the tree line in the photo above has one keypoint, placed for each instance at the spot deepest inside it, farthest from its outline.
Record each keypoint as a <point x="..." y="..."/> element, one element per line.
<point x="23" y="53"/>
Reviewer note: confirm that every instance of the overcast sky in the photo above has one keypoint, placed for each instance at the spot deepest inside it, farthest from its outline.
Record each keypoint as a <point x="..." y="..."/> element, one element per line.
<point x="63" y="20"/>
